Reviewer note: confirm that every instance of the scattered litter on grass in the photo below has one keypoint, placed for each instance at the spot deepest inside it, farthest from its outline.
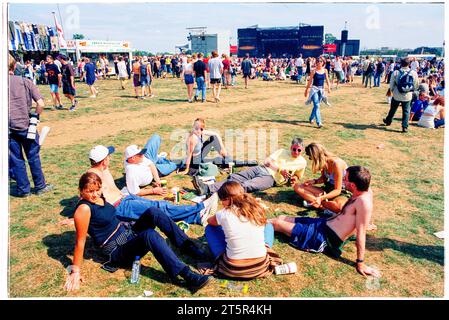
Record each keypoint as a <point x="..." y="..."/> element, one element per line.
<point x="380" y="146"/>
<point x="198" y="199"/>
<point x="147" y="293"/>
<point x="243" y="288"/>
<point x="439" y="234"/>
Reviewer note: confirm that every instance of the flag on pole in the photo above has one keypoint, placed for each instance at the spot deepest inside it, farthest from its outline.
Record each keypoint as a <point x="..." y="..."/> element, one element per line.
<point x="62" y="42"/>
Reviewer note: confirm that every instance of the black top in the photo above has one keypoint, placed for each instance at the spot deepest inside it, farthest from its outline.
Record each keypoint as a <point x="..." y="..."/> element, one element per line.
<point x="318" y="79"/>
<point x="199" y="67"/>
<point x="103" y="221"/>
<point x="53" y="72"/>
<point x="67" y="72"/>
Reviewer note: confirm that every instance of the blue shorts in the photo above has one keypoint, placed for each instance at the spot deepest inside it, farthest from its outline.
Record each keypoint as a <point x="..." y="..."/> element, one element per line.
<point x="313" y="235"/>
<point x="188" y="79"/>
<point x="145" y="81"/>
<point x="308" y="234"/>
<point x="54" y="88"/>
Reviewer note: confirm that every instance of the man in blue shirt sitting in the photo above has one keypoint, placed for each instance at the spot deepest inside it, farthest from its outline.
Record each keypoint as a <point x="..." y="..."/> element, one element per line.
<point x="419" y="106"/>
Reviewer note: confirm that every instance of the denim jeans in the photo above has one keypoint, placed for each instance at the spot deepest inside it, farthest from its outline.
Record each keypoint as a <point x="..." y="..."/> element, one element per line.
<point x="252" y="180"/>
<point x="17" y="141"/>
<point x="316" y="109"/>
<point x="147" y="239"/>
<point x="216" y="238"/>
<point x="200" y="86"/>
<point x="377" y="77"/>
<point x="439" y="123"/>
<point x="132" y="207"/>
<point x="405" y="112"/>
<point x="164" y="166"/>
<point x="368" y="77"/>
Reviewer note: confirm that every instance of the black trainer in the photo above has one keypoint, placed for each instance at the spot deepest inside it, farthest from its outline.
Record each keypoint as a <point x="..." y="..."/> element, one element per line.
<point x="404" y="130"/>
<point x="195" y="98"/>
<point x="385" y="122"/>
<point x="195" y="281"/>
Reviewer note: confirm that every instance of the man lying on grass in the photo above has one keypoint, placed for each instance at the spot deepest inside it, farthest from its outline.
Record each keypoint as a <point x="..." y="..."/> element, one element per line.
<point x="329" y="235"/>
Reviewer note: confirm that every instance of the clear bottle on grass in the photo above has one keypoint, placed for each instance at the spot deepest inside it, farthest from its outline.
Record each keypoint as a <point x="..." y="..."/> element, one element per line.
<point x="135" y="274"/>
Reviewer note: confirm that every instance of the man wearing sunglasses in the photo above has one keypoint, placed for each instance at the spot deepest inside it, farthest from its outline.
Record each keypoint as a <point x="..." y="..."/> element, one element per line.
<point x="281" y="168"/>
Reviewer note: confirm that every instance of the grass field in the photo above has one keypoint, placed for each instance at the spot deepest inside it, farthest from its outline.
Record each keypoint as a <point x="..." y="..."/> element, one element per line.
<point x="407" y="171"/>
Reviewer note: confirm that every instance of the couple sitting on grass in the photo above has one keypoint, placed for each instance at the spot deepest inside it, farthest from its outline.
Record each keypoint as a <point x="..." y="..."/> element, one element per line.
<point x="240" y="236"/>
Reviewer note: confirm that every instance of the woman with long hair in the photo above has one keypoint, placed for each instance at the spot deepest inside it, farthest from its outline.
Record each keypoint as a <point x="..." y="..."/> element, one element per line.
<point x="333" y="170"/>
<point x="187" y="75"/>
<point x="239" y="236"/>
<point x="122" y="242"/>
<point x="433" y="114"/>
<point x="315" y="90"/>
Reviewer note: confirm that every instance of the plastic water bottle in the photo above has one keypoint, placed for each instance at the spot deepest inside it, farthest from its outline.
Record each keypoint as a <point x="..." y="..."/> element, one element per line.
<point x="135" y="270"/>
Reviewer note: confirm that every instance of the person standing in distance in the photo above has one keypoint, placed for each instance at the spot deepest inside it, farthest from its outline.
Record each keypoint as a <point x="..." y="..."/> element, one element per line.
<point x="246" y="69"/>
<point x="68" y="81"/>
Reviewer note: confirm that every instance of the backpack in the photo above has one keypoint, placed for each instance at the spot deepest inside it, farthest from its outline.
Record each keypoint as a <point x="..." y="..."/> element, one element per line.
<point x="370" y="68"/>
<point x="143" y="70"/>
<point x="405" y="82"/>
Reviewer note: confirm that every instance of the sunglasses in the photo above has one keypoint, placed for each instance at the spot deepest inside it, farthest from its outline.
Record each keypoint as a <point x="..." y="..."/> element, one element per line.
<point x="296" y="149"/>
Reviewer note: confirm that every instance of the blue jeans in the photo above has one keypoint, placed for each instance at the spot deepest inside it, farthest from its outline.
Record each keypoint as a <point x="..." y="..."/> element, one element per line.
<point x="439" y="123"/>
<point x="17" y="141"/>
<point x="132" y="207"/>
<point x="377" y="77"/>
<point x="164" y="166"/>
<point x="146" y="239"/>
<point x="316" y="109"/>
<point x="216" y="238"/>
<point x="368" y="77"/>
<point x="200" y="86"/>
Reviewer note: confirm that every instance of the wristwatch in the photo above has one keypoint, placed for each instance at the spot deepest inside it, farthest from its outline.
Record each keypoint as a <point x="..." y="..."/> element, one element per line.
<point x="359" y="260"/>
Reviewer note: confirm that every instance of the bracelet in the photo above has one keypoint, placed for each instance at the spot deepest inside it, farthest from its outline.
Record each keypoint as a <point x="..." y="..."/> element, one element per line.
<point x="73" y="269"/>
<point x="359" y="260"/>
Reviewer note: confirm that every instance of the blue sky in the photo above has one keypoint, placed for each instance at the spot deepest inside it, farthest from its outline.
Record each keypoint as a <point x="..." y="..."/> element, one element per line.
<point x="159" y="27"/>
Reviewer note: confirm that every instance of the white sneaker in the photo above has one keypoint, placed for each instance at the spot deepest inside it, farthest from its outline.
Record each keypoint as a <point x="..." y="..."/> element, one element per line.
<point x="162" y="155"/>
<point x="210" y="208"/>
<point x="306" y="204"/>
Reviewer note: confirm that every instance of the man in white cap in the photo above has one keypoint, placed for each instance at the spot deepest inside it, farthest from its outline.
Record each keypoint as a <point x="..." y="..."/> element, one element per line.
<point x="140" y="171"/>
<point x="131" y="207"/>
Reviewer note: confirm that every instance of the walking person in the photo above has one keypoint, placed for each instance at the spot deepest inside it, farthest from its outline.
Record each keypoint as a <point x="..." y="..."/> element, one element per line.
<point x="246" y="69"/>
<point x="315" y="90"/>
<point x="146" y="78"/>
<point x="22" y="93"/>
<point x="199" y="70"/>
<point x="402" y="85"/>
<point x="380" y="68"/>
<point x="136" y="76"/>
<point x="89" y="70"/>
<point x="369" y="73"/>
<point x="68" y="81"/>
<point x="122" y="72"/>
<point x="216" y="71"/>
<point x="54" y="76"/>
<point x="187" y="75"/>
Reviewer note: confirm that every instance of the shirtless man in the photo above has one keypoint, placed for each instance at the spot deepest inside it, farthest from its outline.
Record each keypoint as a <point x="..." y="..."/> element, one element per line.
<point x="131" y="207"/>
<point x="330" y="234"/>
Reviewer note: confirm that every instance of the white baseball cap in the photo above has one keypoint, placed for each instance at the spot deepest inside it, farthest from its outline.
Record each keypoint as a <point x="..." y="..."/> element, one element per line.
<point x="133" y="150"/>
<point x="98" y="153"/>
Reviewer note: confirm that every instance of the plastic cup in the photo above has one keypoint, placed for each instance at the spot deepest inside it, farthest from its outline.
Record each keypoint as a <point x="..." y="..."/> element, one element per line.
<point x="286" y="268"/>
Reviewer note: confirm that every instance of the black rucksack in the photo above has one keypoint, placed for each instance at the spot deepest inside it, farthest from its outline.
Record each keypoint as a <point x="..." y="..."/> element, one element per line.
<point x="405" y="82"/>
<point x="143" y="70"/>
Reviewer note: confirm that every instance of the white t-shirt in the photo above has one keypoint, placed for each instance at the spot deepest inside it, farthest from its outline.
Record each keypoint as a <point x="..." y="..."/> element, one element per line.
<point x="138" y="175"/>
<point x="215" y="65"/>
<point x="122" y="72"/>
<point x="414" y="65"/>
<point x="299" y="62"/>
<point x="337" y="65"/>
<point x="244" y="240"/>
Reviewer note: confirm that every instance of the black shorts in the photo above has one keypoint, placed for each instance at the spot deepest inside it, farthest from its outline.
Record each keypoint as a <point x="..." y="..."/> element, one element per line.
<point x="246" y="75"/>
<point x="68" y="89"/>
<point x="213" y="81"/>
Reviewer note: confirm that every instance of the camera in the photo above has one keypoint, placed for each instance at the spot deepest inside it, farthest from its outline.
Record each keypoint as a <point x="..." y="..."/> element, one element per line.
<point x="32" y="128"/>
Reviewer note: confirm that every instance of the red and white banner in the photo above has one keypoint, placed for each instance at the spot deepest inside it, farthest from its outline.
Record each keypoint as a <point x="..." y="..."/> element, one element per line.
<point x="329" y="48"/>
<point x="62" y="42"/>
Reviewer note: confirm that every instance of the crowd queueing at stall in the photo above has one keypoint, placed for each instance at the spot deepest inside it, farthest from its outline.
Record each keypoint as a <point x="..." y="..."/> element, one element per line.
<point x="122" y="223"/>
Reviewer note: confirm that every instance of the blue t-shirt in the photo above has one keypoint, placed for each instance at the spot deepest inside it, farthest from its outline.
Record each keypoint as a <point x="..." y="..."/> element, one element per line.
<point x="418" y="108"/>
<point x="89" y="68"/>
